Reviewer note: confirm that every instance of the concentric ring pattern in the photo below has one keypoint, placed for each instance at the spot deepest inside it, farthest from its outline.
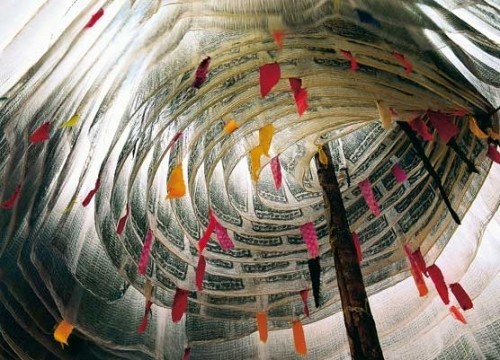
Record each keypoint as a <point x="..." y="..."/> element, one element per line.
<point x="129" y="77"/>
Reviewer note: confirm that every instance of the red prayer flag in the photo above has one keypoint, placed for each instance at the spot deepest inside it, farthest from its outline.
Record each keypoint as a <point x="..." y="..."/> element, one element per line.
<point x="270" y="75"/>
<point x="349" y="56"/>
<point x="438" y="280"/>
<point x="206" y="235"/>
<point x="276" y="170"/>
<point x="304" y="294"/>
<point x="201" y="73"/>
<point x="443" y="125"/>
<point x="310" y="238"/>
<point x="224" y="240"/>
<point x="457" y="314"/>
<point x="399" y="173"/>
<point x="420" y="261"/>
<point x="95" y="18"/>
<point x="404" y="61"/>
<point x="462" y="297"/>
<point x="123" y="221"/>
<point x="144" y="324"/>
<point x="493" y="153"/>
<point x="11" y="201"/>
<point x="91" y="193"/>
<point x="418" y="125"/>
<point x="187" y="354"/>
<point x="179" y="305"/>
<point x="40" y="134"/>
<point x="200" y="272"/>
<point x="278" y="37"/>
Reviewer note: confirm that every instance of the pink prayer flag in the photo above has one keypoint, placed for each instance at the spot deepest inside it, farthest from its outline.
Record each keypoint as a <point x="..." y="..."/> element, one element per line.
<point x="146" y="249"/>
<point x="11" y="201"/>
<point x="206" y="235"/>
<point x="418" y="125"/>
<point x="224" y="240"/>
<point x="122" y="222"/>
<point x="399" y="173"/>
<point x="443" y="125"/>
<point x="276" y="170"/>
<point x="366" y="189"/>
<point x="357" y="246"/>
<point x="179" y="305"/>
<point x="404" y="61"/>
<point x="200" y="272"/>
<point x="493" y="153"/>
<point x="349" y="56"/>
<point x="310" y="238"/>
<point x="270" y="75"/>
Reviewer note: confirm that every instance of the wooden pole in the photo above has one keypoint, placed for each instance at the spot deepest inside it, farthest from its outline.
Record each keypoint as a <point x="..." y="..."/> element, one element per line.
<point x="361" y="329"/>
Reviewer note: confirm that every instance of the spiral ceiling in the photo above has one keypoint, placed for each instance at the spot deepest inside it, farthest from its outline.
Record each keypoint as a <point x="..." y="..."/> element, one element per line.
<point x="129" y="77"/>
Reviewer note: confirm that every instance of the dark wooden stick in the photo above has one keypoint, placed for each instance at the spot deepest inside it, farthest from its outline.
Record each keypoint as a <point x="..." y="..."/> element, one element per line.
<point x="361" y="329"/>
<point x="428" y="166"/>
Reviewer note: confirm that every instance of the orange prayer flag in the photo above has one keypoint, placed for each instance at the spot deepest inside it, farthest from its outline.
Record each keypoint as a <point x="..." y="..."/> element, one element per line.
<point x="299" y="338"/>
<point x="278" y="37"/>
<point x="62" y="332"/>
<point x="230" y="126"/>
<point x="175" y="184"/>
<point x="385" y="114"/>
<point x="262" y="326"/>
<point x="455" y="312"/>
<point x="475" y="129"/>
<point x="255" y="155"/>
<point x="265" y="137"/>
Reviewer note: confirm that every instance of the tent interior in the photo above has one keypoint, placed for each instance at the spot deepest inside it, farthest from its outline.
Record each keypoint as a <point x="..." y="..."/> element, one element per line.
<point x="133" y="132"/>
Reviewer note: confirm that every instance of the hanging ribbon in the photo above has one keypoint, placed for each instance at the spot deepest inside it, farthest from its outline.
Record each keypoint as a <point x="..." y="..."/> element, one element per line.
<point x="95" y="18"/>
<point x="224" y="240"/>
<point x="262" y="326"/>
<point x="315" y="273"/>
<point x="175" y="184"/>
<point x="41" y="134"/>
<point x="457" y="314"/>
<point x="462" y="297"/>
<point x="123" y="221"/>
<point x="357" y="246"/>
<point x="201" y="73"/>
<point x="418" y="126"/>
<point x="276" y="171"/>
<point x="147" y="313"/>
<point x="255" y="155"/>
<point x="475" y="129"/>
<point x="416" y="273"/>
<point x="210" y="229"/>
<point x="11" y="201"/>
<point x="350" y="57"/>
<point x="230" y="126"/>
<point x="298" y="338"/>
<point x="438" y="279"/>
<point x="399" y="173"/>
<point x="200" y="272"/>
<point x="310" y="238"/>
<point x="146" y="249"/>
<point x="62" y="332"/>
<point x="493" y="153"/>
<point x="443" y="125"/>
<point x="179" y="305"/>
<point x="404" y="61"/>
<point x="384" y="114"/>
<point x="71" y="122"/>
<point x="266" y="134"/>
<point x="304" y="294"/>
<point x="270" y="75"/>
<point x="91" y="193"/>
<point x="366" y="189"/>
